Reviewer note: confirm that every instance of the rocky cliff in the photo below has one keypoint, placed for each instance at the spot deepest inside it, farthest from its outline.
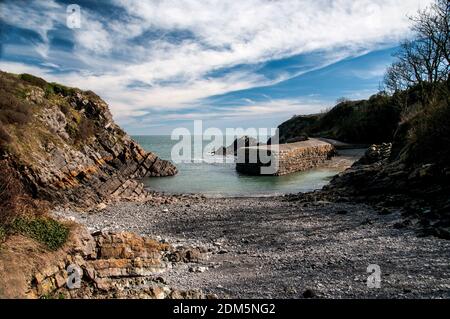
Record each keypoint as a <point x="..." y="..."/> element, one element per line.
<point x="65" y="146"/>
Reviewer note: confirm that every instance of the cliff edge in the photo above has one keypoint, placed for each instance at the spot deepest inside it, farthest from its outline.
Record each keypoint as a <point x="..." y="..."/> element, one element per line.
<point x="65" y="146"/>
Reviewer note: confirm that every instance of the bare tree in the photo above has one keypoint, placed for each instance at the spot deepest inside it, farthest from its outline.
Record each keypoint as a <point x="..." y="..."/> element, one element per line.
<point x="433" y="23"/>
<point x="424" y="60"/>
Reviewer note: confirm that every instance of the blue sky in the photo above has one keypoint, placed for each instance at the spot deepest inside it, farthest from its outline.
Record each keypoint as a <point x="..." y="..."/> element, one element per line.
<point x="160" y="64"/>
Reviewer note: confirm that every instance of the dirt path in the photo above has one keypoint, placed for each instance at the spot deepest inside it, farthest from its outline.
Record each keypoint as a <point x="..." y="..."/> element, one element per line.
<point x="270" y="247"/>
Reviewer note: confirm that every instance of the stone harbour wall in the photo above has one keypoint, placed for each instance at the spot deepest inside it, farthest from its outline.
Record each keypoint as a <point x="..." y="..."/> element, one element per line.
<point x="285" y="158"/>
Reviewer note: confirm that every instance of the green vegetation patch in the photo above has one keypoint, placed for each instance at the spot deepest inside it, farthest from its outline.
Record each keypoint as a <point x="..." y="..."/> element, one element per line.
<point x="61" y="89"/>
<point x="366" y="121"/>
<point x="45" y="230"/>
<point x="56" y="295"/>
<point x="49" y="88"/>
<point x="14" y="109"/>
<point x="33" y="80"/>
<point x="430" y="134"/>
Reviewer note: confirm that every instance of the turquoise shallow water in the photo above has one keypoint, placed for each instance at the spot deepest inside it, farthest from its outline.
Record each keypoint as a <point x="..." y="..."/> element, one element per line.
<point x="221" y="179"/>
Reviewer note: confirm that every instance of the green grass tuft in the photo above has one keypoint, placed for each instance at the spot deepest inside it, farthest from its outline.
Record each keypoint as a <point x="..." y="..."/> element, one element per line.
<point x="59" y="295"/>
<point x="45" y="230"/>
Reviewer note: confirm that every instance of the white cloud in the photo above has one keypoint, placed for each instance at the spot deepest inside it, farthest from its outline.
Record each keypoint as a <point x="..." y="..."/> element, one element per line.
<point x="35" y="16"/>
<point x="16" y="67"/>
<point x="225" y="33"/>
<point x="376" y="71"/>
<point x="282" y="107"/>
<point x="93" y="36"/>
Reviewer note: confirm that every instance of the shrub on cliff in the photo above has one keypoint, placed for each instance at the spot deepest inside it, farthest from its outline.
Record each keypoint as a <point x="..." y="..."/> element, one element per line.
<point x="82" y="131"/>
<point x="429" y="137"/>
<point x="61" y="89"/>
<point x="13" y="110"/>
<point x="367" y="121"/>
<point x="5" y="138"/>
<point x="15" y="200"/>
<point x="49" y="88"/>
<point x="33" y="80"/>
<point x="10" y="193"/>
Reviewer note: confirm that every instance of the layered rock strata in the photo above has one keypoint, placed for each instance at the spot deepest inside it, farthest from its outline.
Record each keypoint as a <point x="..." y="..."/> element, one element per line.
<point x="118" y="265"/>
<point x="71" y="151"/>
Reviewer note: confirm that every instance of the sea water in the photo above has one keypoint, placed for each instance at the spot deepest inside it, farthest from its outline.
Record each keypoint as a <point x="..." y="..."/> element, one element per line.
<point x="214" y="178"/>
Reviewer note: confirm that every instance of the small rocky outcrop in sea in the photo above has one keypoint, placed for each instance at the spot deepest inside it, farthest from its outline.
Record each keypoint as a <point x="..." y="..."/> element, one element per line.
<point x="69" y="150"/>
<point x="243" y="141"/>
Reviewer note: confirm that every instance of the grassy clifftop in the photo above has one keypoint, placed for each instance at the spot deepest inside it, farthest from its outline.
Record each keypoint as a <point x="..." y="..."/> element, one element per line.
<point x="33" y="111"/>
<point x="366" y="121"/>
